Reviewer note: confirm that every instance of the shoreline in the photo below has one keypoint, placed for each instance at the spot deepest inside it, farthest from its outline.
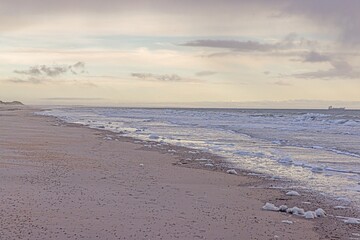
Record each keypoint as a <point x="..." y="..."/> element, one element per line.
<point x="199" y="158"/>
<point x="325" y="228"/>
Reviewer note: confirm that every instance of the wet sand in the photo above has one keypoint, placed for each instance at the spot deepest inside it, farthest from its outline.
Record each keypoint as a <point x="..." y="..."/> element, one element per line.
<point x="61" y="181"/>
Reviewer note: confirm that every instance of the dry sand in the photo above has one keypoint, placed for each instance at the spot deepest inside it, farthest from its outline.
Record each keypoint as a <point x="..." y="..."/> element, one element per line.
<point x="60" y="181"/>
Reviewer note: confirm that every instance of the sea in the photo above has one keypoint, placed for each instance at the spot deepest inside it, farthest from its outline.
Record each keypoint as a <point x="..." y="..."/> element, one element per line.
<point x="318" y="149"/>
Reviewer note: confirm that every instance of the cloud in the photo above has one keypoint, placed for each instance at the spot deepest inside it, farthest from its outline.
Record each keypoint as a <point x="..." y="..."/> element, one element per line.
<point x="316" y="57"/>
<point x="205" y="73"/>
<point x="290" y="41"/>
<point x="339" y="69"/>
<point x="227" y="16"/>
<point x="42" y="73"/>
<point x="342" y="16"/>
<point x="33" y="71"/>
<point x="52" y="71"/>
<point x="158" y="77"/>
<point x="243" y="46"/>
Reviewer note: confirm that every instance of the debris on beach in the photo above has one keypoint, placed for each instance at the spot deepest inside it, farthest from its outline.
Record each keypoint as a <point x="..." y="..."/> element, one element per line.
<point x="293" y="193"/>
<point x="232" y="171"/>
<point x="209" y="165"/>
<point x="141" y="165"/>
<point x="287" y="221"/>
<point x="310" y="215"/>
<point x="320" y="212"/>
<point x="296" y="211"/>
<point x="283" y="208"/>
<point x="270" y="207"/>
<point x="351" y="220"/>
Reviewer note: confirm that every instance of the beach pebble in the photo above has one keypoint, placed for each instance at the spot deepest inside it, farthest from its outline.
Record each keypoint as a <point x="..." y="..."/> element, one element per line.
<point x="232" y="171"/>
<point x="320" y="212"/>
<point x="310" y="215"/>
<point x="293" y="193"/>
<point x="270" y="207"/>
<point x="141" y="165"/>
<point x="352" y="221"/>
<point x="287" y="221"/>
<point x="209" y="165"/>
<point x="283" y="208"/>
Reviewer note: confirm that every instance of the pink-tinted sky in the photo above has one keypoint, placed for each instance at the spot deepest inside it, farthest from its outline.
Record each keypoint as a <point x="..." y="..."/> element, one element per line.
<point x="279" y="52"/>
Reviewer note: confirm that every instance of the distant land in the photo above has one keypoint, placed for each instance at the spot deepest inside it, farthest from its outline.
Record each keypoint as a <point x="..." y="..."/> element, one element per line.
<point x="11" y="103"/>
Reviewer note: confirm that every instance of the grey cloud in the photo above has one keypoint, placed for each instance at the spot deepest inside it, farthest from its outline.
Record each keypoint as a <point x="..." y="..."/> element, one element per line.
<point x="158" y="77"/>
<point x="338" y="15"/>
<point x="33" y="71"/>
<point x="316" y="57"/>
<point x="339" y="69"/>
<point x="42" y="73"/>
<point x="343" y="15"/>
<point x="53" y="71"/>
<point x="290" y="41"/>
<point x="205" y="73"/>
<point x="231" y="44"/>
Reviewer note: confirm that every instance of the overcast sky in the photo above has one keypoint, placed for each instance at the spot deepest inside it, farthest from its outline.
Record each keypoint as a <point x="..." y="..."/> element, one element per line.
<point x="121" y="52"/>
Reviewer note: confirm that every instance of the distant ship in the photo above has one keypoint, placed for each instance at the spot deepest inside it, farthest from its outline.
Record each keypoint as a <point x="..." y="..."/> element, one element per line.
<point x="336" y="109"/>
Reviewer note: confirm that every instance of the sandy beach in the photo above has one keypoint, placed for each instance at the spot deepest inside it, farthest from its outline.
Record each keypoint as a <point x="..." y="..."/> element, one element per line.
<point x="62" y="181"/>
